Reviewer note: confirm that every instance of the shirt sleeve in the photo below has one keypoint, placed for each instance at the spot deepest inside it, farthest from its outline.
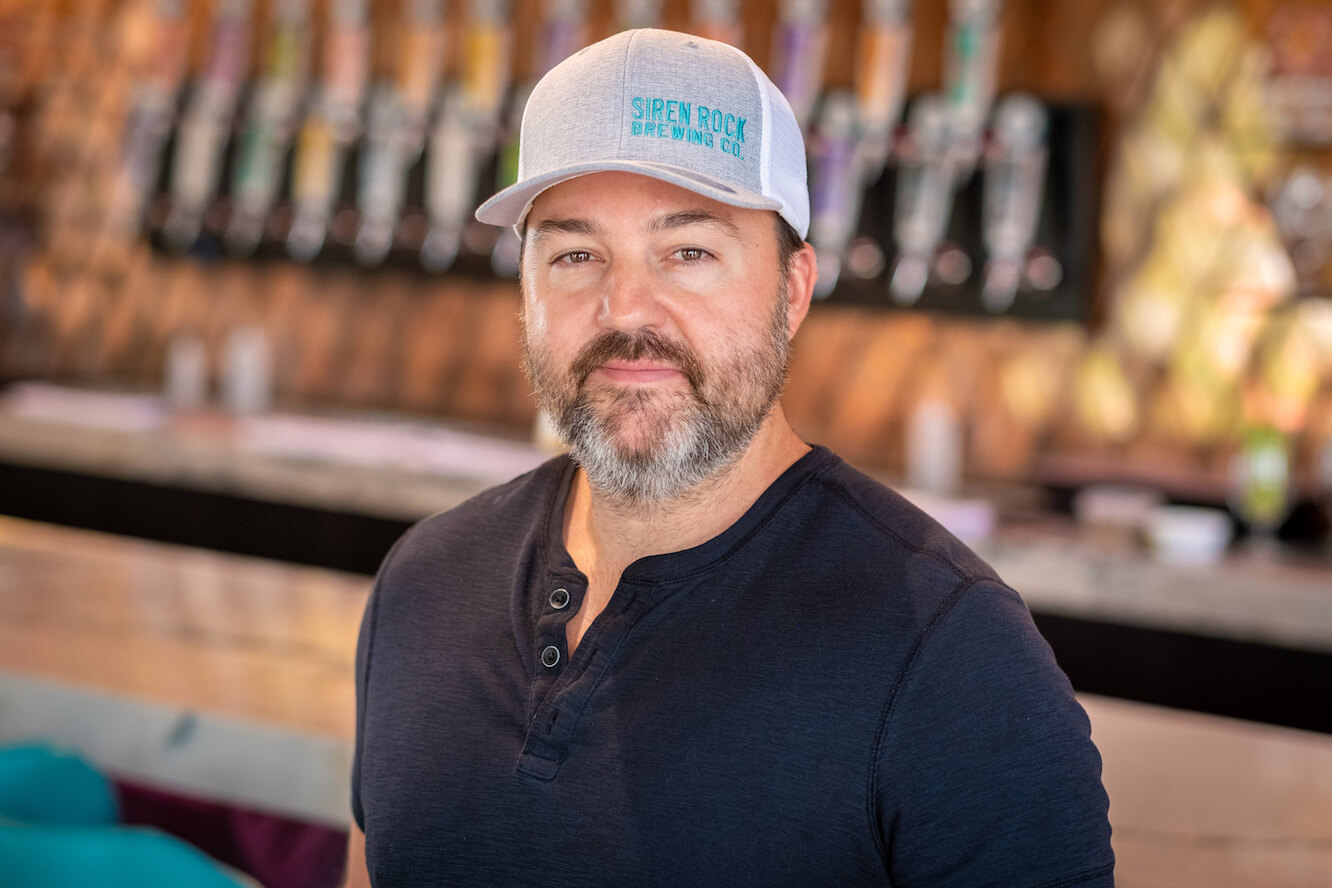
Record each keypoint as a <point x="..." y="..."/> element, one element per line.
<point x="363" y="645"/>
<point x="986" y="773"/>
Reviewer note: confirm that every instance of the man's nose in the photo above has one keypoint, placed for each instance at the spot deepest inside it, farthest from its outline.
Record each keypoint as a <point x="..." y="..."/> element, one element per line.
<point x="631" y="300"/>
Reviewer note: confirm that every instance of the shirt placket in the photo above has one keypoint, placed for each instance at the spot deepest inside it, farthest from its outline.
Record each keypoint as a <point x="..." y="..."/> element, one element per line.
<point x="564" y="684"/>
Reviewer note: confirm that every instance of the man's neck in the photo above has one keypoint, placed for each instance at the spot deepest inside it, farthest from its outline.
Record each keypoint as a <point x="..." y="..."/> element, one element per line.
<point x="605" y="535"/>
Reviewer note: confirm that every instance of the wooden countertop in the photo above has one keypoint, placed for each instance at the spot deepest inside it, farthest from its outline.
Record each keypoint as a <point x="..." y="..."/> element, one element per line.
<point x="243" y="637"/>
<point x="406" y="469"/>
<point x="385" y="466"/>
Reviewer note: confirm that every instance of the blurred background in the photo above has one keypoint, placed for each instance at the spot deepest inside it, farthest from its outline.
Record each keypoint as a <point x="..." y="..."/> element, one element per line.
<point x="1075" y="300"/>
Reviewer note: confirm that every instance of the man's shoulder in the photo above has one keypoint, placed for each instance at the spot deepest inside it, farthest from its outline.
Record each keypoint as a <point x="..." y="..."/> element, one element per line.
<point x="893" y="527"/>
<point x="498" y="516"/>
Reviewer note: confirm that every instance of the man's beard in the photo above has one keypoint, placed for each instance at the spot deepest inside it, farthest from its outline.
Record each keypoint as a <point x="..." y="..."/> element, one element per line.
<point x="680" y="438"/>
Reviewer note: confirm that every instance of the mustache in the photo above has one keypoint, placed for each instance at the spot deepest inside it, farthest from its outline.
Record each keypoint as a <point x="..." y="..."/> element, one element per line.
<point x="641" y="345"/>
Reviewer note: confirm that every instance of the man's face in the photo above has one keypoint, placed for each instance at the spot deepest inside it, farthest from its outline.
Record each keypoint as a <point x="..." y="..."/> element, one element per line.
<point x="655" y="329"/>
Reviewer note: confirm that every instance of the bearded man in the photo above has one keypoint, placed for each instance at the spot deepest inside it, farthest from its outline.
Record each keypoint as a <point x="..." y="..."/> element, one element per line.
<point x="697" y="650"/>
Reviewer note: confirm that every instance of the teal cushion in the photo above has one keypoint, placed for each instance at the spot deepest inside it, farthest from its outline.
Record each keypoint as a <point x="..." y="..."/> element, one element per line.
<point x="42" y="784"/>
<point x="103" y="857"/>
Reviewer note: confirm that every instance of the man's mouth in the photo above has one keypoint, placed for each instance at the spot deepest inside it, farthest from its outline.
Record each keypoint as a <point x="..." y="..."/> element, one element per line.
<point x="644" y="359"/>
<point x="637" y="372"/>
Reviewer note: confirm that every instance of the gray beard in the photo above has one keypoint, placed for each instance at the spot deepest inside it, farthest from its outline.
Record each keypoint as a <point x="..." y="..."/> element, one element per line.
<point x="693" y="435"/>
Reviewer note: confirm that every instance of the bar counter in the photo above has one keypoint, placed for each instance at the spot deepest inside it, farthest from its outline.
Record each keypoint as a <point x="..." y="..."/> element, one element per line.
<point x="399" y="470"/>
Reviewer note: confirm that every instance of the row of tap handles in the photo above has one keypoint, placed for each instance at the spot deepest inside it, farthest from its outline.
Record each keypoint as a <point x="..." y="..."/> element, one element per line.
<point x="286" y="134"/>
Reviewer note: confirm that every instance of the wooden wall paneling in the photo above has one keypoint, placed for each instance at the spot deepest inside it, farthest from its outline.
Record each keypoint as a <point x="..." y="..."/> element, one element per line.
<point x="188" y="284"/>
<point x="83" y="300"/>
<point x="27" y="348"/>
<point x="68" y="228"/>
<point x="517" y="404"/>
<point x="236" y="301"/>
<point x="1045" y="48"/>
<point x="1000" y="443"/>
<point x="461" y="338"/>
<point x="371" y="366"/>
<point x="488" y="389"/>
<point x="928" y="23"/>
<point x="429" y="347"/>
<point x="62" y="293"/>
<point x="966" y="355"/>
<point x="125" y="315"/>
<point x="830" y="340"/>
<point x="463" y="351"/>
<point x="328" y="326"/>
<point x="143" y="290"/>
<point x="874" y="390"/>
<point x="25" y="341"/>
<point x="278" y="302"/>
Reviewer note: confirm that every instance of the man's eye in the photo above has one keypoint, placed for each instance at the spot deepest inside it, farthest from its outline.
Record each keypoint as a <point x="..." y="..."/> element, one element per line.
<point x="691" y="254"/>
<point x="574" y="257"/>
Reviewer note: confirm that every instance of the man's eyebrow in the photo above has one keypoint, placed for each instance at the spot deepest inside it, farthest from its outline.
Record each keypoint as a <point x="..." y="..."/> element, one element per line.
<point x="558" y="225"/>
<point x="686" y="218"/>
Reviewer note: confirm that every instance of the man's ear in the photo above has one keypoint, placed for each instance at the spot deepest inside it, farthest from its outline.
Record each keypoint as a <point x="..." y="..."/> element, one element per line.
<point x="801" y="275"/>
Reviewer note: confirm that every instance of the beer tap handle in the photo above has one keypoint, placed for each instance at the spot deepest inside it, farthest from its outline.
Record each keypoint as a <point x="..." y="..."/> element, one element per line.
<point x="382" y="181"/>
<point x="883" y="58"/>
<point x="316" y="175"/>
<point x="346" y="66"/>
<point x="924" y="197"/>
<point x="718" y="20"/>
<point x="270" y="123"/>
<point x="487" y="64"/>
<point x="800" y="38"/>
<point x="1014" y="170"/>
<point x="971" y="64"/>
<point x="835" y="187"/>
<point x="421" y="62"/>
<point x="631" y="14"/>
<point x="450" y="180"/>
<point x="206" y="128"/>
<point x="563" y="33"/>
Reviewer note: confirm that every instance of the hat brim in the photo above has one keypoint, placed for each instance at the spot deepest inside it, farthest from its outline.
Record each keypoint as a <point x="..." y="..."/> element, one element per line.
<point x="511" y="206"/>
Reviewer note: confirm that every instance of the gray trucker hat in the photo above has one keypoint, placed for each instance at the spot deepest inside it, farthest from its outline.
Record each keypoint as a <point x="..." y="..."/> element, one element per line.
<point x="693" y="112"/>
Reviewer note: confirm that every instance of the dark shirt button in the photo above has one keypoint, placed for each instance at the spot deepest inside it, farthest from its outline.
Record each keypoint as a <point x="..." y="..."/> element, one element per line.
<point x="550" y="656"/>
<point x="559" y="599"/>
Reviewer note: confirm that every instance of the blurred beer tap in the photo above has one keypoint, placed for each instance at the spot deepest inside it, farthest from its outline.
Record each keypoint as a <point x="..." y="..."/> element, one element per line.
<point x="718" y="20"/>
<point x="924" y="196"/>
<point x="207" y="125"/>
<point x="883" y="58"/>
<point x="563" y="32"/>
<point x="148" y="123"/>
<point x="450" y="181"/>
<point x="835" y="187"/>
<point x="971" y="63"/>
<point x="332" y="124"/>
<point x="270" y="125"/>
<point x="421" y="61"/>
<point x="508" y="246"/>
<point x="382" y="182"/>
<point x="800" y="40"/>
<point x="467" y="131"/>
<point x="396" y="130"/>
<point x="487" y="65"/>
<point x="1014" y="173"/>
<point x="630" y="14"/>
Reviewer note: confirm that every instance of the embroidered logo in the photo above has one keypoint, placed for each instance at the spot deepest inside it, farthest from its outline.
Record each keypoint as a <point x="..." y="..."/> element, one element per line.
<point x="697" y="124"/>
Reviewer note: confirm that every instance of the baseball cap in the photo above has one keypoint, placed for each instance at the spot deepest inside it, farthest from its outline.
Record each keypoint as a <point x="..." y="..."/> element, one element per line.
<point x="690" y="111"/>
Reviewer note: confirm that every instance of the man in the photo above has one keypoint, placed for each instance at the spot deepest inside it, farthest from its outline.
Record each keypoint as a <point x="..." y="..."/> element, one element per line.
<point x="697" y="651"/>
